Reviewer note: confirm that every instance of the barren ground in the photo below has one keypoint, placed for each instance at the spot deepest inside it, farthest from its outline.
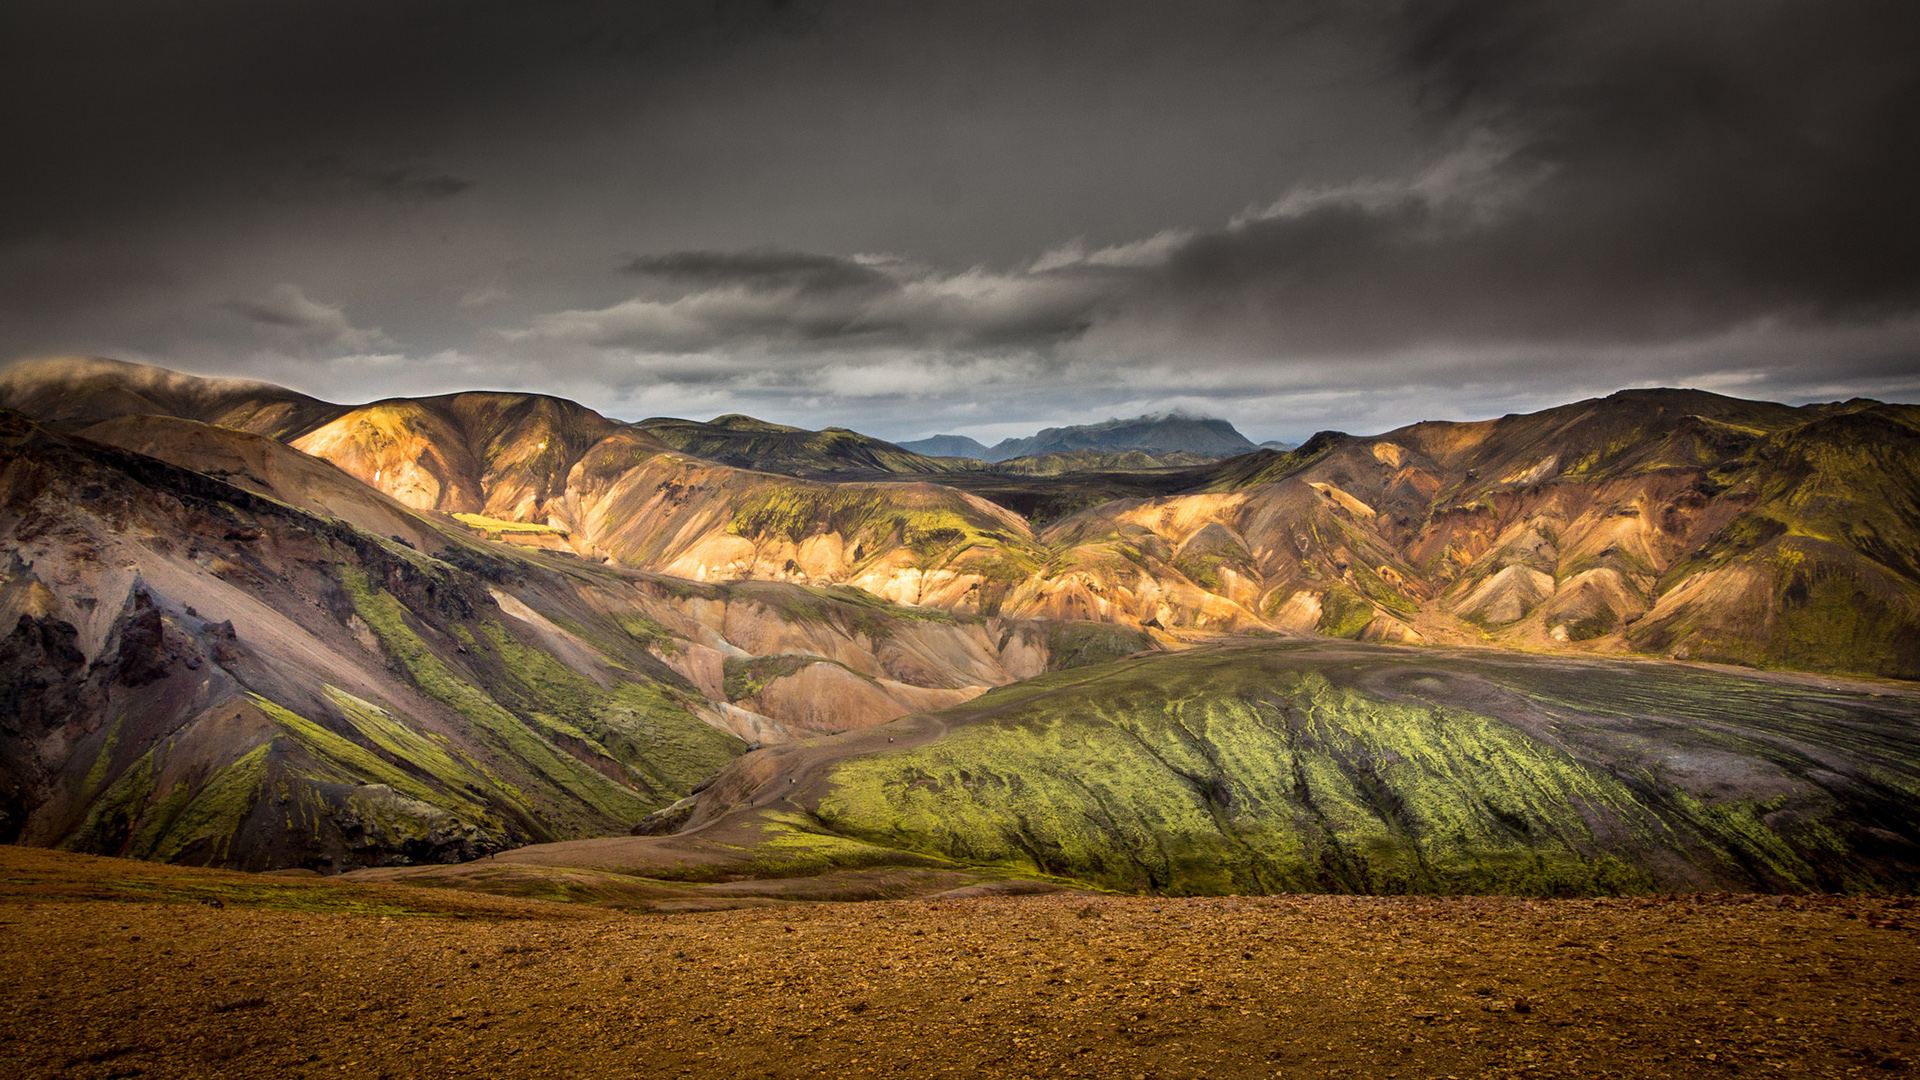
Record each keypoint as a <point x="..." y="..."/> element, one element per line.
<point x="112" y="968"/>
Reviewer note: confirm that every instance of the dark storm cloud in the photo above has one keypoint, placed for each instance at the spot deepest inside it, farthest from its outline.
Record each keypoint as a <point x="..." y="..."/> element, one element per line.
<point x="1322" y="213"/>
<point x="126" y="107"/>
<point x="1618" y="174"/>
<point x="1768" y="149"/>
<point x="807" y="302"/>
<point x="1661" y="171"/>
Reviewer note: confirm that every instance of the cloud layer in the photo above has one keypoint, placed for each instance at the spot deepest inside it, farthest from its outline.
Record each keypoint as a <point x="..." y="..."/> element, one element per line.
<point x="990" y="217"/>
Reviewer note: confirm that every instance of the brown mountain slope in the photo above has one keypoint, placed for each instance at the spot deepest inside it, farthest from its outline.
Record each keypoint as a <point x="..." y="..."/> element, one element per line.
<point x="1740" y="530"/>
<point x="502" y="456"/>
<point x="1567" y="528"/>
<point x="79" y="390"/>
<point x="606" y="489"/>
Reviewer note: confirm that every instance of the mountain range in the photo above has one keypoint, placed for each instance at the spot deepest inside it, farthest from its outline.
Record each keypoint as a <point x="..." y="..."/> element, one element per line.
<point x="1165" y="434"/>
<point x="255" y="629"/>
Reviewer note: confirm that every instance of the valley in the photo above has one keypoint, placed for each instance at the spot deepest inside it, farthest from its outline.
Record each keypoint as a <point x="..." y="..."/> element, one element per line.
<point x="499" y="642"/>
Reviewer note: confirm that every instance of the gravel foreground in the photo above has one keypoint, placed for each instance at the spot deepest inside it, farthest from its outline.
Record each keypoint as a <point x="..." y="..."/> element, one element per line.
<point x="114" y="969"/>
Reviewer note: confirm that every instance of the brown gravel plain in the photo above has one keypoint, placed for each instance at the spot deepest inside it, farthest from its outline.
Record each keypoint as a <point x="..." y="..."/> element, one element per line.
<point x="118" y="969"/>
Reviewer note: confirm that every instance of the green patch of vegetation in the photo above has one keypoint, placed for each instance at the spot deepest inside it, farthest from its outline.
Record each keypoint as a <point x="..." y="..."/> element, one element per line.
<point x="846" y="607"/>
<point x="1831" y="620"/>
<point x="207" y="824"/>
<point x="1270" y="466"/>
<point x="1378" y="590"/>
<point x="404" y="743"/>
<point x="1201" y="568"/>
<point x="340" y="760"/>
<point x="650" y="634"/>
<point x="795" y="512"/>
<point x="660" y="741"/>
<point x="792" y="846"/>
<point x="496" y="526"/>
<point x="647" y="730"/>
<point x="1343" y="612"/>
<point x="102" y="761"/>
<point x="872" y="518"/>
<point x="746" y="676"/>
<point x="112" y="818"/>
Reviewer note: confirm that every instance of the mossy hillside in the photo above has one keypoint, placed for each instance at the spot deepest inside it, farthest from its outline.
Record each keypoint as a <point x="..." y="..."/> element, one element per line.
<point x="1225" y="782"/>
<point x="1834" y="523"/>
<point x="494" y="527"/>
<point x="454" y="785"/>
<point x="1849" y="761"/>
<point x="192" y="821"/>
<point x="569" y="796"/>
<point x="936" y="528"/>
<point x="1834" y="615"/>
<point x="1830" y="611"/>
<point x="1266" y="770"/>
<point x="746" y="442"/>
<point x="649" y="633"/>
<point x="204" y="829"/>
<point x="1272" y="466"/>
<point x="667" y="747"/>
<point x="123" y="807"/>
<point x="647" y="729"/>
<point x="430" y="756"/>
<point x="790" y="845"/>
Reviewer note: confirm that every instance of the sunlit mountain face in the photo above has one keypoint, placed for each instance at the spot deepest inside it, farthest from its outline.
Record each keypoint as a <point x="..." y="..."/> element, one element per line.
<point x="1460" y="447"/>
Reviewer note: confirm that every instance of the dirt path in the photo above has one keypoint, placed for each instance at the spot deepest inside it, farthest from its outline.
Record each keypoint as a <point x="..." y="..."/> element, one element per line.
<point x="111" y="969"/>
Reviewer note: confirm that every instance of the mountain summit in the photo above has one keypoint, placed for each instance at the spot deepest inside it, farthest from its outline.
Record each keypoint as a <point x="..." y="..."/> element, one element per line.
<point x="1166" y="433"/>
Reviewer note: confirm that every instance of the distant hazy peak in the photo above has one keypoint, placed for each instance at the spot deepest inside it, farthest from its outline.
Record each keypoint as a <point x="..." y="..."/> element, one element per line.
<point x="947" y="446"/>
<point x="1165" y="433"/>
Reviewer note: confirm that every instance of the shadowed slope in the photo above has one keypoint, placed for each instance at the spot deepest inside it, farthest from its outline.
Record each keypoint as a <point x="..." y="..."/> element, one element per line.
<point x="79" y="390"/>
<point x="197" y="673"/>
<point x="747" y="443"/>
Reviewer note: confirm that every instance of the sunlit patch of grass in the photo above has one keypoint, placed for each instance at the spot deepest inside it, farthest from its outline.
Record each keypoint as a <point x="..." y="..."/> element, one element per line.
<point x="499" y="525"/>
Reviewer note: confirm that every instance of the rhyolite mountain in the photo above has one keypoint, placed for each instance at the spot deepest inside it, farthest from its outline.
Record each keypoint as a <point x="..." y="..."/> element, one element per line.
<point x="250" y="628"/>
<point x="1165" y="434"/>
<point x="1671" y="522"/>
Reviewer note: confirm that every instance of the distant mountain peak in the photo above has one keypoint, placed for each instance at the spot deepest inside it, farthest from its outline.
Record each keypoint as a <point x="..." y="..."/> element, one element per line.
<point x="1167" y="432"/>
<point x="947" y="446"/>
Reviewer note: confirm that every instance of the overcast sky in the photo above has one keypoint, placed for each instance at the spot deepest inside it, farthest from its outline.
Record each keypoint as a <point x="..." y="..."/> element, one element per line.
<point x="978" y="217"/>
